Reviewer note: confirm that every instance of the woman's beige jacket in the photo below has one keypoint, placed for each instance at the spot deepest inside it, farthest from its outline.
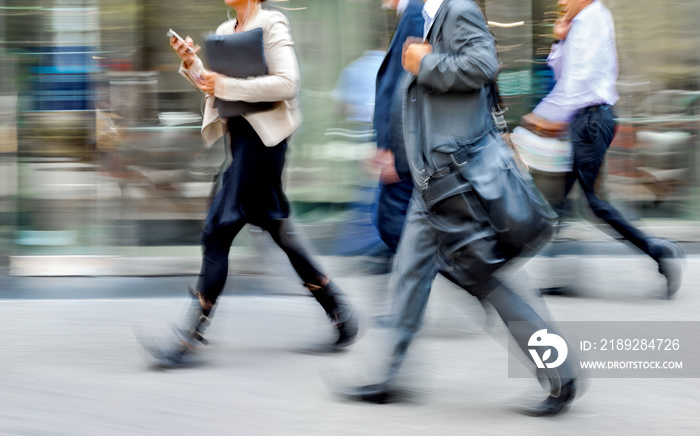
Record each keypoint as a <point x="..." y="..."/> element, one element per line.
<point x="281" y="84"/>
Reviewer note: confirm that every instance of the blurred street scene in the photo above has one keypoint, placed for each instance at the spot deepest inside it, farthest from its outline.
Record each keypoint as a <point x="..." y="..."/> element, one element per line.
<point x="104" y="186"/>
<point x="99" y="136"/>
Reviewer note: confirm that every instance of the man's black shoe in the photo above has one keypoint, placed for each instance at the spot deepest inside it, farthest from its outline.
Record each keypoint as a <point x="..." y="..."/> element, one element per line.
<point x="377" y="394"/>
<point x="556" y="402"/>
<point x="670" y="261"/>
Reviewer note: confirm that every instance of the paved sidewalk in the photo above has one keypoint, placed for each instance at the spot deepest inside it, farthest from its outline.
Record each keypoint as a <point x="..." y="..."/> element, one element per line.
<point x="72" y="366"/>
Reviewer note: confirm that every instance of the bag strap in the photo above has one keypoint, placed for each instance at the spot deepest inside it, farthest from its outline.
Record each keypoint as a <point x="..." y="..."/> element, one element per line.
<point x="498" y="110"/>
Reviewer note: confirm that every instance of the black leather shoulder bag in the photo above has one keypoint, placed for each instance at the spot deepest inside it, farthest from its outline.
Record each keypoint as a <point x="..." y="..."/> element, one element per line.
<point x="521" y="217"/>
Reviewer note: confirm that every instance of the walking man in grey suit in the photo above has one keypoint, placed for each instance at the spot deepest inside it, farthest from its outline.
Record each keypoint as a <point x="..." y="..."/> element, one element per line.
<point x="446" y="111"/>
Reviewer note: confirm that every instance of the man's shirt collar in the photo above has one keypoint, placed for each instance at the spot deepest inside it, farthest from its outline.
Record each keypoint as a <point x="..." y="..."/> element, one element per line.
<point x="595" y="4"/>
<point x="430" y="9"/>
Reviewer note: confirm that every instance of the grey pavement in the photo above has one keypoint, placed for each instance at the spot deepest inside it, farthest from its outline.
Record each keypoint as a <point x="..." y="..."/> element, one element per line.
<point x="71" y="365"/>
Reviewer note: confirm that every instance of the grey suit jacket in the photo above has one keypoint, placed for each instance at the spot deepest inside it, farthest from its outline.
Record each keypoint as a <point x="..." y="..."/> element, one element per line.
<point x="448" y="105"/>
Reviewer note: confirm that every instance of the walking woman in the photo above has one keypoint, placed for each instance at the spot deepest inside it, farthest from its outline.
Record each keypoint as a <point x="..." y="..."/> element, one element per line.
<point x="252" y="191"/>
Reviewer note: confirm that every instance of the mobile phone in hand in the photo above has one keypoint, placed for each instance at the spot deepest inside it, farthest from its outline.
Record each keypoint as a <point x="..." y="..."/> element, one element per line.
<point x="172" y="33"/>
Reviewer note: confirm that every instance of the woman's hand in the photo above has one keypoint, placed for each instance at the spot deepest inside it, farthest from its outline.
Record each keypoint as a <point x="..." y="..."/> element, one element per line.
<point x="183" y="50"/>
<point x="208" y="82"/>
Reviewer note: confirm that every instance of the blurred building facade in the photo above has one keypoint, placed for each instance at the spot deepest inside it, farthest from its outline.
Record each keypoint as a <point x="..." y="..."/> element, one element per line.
<point x="99" y="145"/>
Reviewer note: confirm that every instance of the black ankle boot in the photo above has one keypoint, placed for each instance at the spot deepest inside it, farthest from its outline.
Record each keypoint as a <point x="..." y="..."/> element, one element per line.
<point x="339" y="311"/>
<point x="187" y="337"/>
<point x="196" y="321"/>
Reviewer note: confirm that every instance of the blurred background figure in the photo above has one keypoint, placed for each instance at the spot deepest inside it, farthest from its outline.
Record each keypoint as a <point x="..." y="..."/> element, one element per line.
<point x="354" y="91"/>
<point x="584" y="62"/>
<point x="353" y="98"/>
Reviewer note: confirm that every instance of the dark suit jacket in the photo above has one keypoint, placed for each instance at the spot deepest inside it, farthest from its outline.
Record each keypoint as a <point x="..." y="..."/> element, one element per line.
<point x="389" y="76"/>
<point x="448" y="104"/>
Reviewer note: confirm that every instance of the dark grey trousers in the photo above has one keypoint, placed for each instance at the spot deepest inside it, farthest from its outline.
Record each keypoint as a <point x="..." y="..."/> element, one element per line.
<point x="465" y="250"/>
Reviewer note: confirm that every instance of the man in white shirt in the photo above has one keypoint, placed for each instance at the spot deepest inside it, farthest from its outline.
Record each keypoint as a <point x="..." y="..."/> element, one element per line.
<point x="585" y="66"/>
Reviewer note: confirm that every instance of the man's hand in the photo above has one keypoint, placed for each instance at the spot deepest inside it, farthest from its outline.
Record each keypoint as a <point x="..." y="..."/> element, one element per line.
<point x="413" y="54"/>
<point x="384" y="159"/>
<point x="561" y="28"/>
<point x="543" y="127"/>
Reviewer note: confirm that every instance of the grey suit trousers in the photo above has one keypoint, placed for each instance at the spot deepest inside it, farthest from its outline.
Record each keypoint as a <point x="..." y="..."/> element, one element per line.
<point x="464" y="250"/>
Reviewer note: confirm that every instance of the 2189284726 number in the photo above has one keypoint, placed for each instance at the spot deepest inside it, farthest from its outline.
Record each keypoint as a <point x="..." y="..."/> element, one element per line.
<point x="639" y="344"/>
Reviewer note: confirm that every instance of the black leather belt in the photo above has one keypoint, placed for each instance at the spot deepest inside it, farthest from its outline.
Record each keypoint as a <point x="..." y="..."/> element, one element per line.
<point x="595" y="108"/>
